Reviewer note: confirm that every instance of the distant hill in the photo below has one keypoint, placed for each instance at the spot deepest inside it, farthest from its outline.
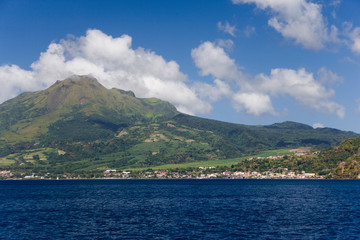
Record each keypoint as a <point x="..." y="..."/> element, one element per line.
<point x="341" y="161"/>
<point x="345" y="157"/>
<point x="279" y="135"/>
<point x="78" y="126"/>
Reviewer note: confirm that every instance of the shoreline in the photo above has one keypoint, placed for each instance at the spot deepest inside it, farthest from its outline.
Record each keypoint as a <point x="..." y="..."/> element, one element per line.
<point x="69" y="179"/>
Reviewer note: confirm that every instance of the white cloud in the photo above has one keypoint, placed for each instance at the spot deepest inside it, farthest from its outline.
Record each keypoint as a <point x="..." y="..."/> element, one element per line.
<point x="213" y="92"/>
<point x="296" y="19"/>
<point x="213" y="60"/>
<point x="318" y="125"/>
<point x="355" y="40"/>
<point x="335" y="4"/>
<point x="253" y="103"/>
<point x="352" y="35"/>
<point x="113" y="62"/>
<point x="227" y="28"/>
<point x="302" y="86"/>
<point x="253" y="94"/>
<point x="226" y="44"/>
<point x="327" y="76"/>
<point x="334" y="35"/>
<point x="15" y="80"/>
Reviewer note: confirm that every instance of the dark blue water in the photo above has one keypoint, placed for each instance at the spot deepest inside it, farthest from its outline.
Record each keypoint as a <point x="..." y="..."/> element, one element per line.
<point x="180" y="209"/>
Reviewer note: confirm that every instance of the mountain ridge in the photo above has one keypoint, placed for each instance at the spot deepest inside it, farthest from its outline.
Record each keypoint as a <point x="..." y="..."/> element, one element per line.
<point x="77" y="95"/>
<point x="78" y="125"/>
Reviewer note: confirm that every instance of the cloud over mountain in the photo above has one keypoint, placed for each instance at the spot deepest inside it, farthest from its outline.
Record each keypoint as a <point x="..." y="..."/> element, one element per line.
<point x="114" y="62"/>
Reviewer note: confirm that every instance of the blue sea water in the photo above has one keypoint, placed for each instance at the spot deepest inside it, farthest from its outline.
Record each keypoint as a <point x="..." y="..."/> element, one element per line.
<point x="180" y="209"/>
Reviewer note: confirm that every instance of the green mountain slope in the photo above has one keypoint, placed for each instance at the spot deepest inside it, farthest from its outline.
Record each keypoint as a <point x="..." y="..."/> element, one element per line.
<point x="279" y="135"/>
<point x="77" y="126"/>
<point x="74" y="108"/>
<point x="341" y="161"/>
<point x="346" y="158"/>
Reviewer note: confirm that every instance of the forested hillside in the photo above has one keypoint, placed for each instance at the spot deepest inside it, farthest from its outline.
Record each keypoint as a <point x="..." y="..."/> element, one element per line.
<point x="77" y="125"/>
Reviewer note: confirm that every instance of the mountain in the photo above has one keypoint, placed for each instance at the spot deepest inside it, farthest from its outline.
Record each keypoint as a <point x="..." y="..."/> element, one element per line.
<point x="80" y="105"/>
<point x="79" y="126"/>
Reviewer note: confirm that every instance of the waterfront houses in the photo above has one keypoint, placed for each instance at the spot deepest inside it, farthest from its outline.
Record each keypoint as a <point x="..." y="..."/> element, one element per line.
<point x="208" y="173"/>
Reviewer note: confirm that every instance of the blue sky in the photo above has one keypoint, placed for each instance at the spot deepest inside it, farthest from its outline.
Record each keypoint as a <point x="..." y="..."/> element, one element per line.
<point x="242" y="61"/>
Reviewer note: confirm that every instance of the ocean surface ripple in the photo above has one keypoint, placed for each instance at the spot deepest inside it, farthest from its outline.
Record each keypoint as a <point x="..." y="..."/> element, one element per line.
<point x="180" y="209"/>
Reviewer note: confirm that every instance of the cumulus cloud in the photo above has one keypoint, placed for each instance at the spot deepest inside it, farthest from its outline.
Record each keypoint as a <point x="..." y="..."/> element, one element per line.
<point x="114" y="62"/>
<point x="302" y="86"/>
<point x="355" y="40"/>
<point x="227" y="28"/>
<point x="212" y="59"/>
<point x="318" y="125"/>
<point x="352" y="37"/>
<point x="15" y="80"/>
<point x="213" y="92"/>
<point x="253" y="94"/>
<point x="297" y="19"/>
<point x="253" y="103"/>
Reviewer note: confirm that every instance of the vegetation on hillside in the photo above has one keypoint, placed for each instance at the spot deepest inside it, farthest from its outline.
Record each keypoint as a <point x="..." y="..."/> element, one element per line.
<point x="77" y="126"/>
<point x="342" y="161"/>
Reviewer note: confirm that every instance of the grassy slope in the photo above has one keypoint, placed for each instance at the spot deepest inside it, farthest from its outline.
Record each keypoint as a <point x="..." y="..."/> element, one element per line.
<point x="6" y="162"/>
<point x="29" y="115"/>
<point x="215" y="163"/>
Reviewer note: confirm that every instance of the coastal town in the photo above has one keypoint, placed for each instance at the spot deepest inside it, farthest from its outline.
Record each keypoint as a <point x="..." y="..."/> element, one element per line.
<point x="202" y="172"/>
<point x="209" y="173"/>
<point x="197" y="173"/>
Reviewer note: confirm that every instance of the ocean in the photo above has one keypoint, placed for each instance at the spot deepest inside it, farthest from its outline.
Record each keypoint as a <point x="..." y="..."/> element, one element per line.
<point x="180" y="209"/>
